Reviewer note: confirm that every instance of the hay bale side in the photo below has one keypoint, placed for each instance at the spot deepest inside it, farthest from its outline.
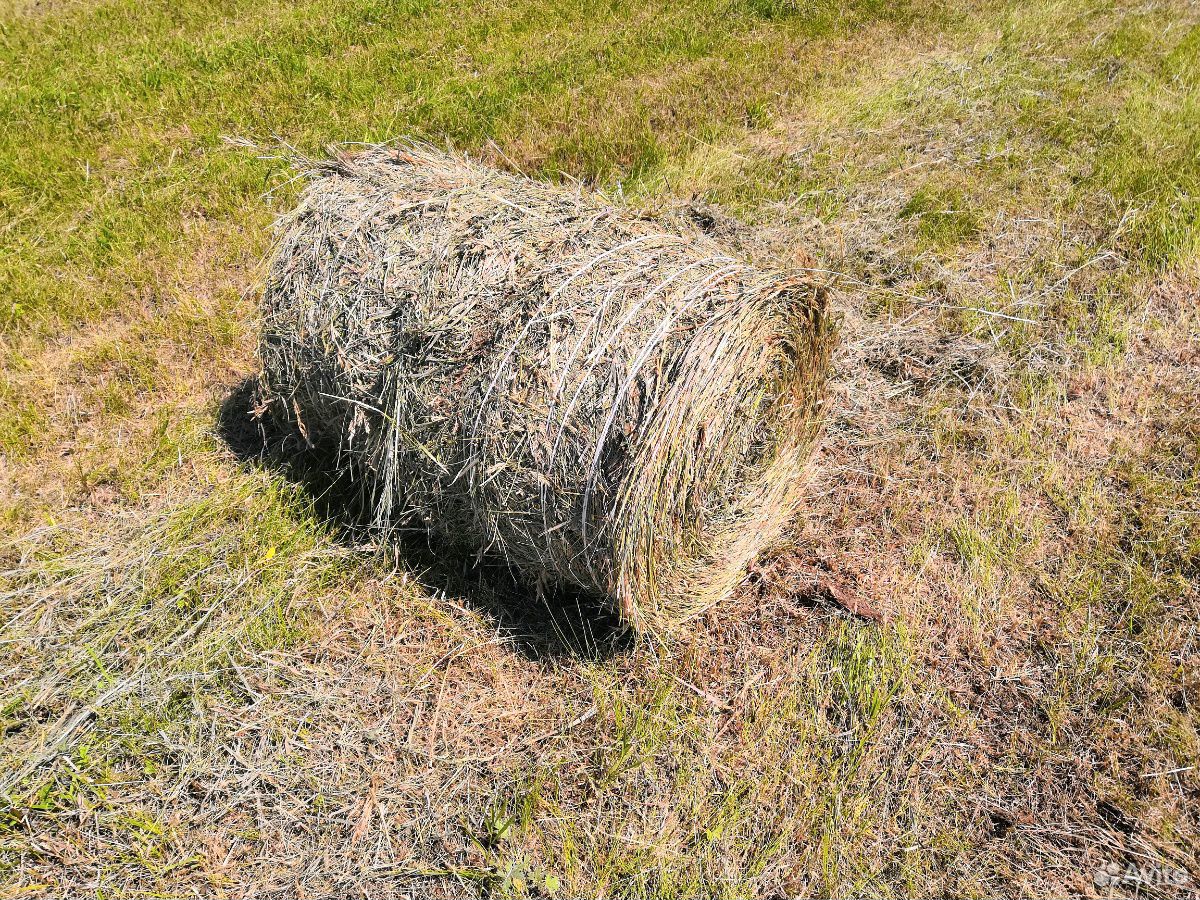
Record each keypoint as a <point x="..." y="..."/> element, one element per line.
<point x="531" y="374"/>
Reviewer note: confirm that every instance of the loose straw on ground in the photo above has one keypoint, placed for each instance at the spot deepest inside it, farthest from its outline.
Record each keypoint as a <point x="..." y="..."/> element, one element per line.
<point x="602" y="400"/>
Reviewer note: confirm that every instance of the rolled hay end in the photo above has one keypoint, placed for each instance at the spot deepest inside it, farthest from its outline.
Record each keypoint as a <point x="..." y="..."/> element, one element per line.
<point x="602" y="400"/>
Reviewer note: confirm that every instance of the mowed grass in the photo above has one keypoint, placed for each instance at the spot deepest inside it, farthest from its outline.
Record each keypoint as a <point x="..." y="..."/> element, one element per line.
<point x="117" y="113"/>
<point x="207" y="686"/>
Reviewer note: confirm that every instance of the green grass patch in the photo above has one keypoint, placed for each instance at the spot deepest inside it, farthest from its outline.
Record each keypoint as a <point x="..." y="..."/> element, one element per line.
<point x="943" y="214"/>
<point x="108" y="152"/>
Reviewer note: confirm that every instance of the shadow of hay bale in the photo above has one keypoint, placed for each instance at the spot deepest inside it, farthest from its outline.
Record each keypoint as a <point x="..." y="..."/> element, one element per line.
<point x="542" y="623"/>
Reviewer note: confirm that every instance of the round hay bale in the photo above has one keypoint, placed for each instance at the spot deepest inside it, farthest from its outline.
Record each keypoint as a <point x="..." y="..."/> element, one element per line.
<point x="602" y="400"/>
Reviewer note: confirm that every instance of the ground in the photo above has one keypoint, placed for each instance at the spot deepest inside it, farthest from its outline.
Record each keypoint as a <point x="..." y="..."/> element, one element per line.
<point x="209" y="686"/>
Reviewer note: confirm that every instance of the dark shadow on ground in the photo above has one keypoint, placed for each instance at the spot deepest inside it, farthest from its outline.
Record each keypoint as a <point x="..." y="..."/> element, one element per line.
<point x="541" y="623"/>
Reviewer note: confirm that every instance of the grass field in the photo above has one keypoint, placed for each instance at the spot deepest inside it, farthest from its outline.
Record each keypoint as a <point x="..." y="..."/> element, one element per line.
<point x="209" y="687"/>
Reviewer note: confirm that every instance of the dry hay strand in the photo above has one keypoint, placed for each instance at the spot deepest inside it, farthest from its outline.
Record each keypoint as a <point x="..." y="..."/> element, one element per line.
<point x="605" y="401"/>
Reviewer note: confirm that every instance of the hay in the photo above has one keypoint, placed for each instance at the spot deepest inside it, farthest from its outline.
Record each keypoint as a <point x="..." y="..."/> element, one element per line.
<point x="600" y="399"/>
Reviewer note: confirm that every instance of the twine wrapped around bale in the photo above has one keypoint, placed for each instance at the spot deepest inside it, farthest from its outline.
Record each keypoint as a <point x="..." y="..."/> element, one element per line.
<point x="604" y="401"/>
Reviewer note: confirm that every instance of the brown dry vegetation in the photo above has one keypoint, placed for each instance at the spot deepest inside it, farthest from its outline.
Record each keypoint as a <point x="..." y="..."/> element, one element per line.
<point x="208" y="686"/>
